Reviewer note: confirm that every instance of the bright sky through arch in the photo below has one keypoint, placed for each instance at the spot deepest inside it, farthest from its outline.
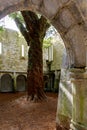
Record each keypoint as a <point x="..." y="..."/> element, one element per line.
<point x="8" y="23"/>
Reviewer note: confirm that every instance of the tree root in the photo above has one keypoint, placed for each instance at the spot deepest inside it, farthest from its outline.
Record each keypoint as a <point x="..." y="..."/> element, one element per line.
<point x="37" y="97"/>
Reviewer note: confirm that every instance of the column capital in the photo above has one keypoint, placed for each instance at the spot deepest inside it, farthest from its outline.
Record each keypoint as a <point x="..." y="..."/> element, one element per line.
<point x="77" y="73"/>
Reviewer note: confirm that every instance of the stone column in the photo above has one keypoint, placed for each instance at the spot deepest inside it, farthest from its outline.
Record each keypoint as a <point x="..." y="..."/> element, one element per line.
<point x="79" y="92"/>
<point x="56" y="80"/>
<point x="14" y="79"/>
<point x="64" y="108"/>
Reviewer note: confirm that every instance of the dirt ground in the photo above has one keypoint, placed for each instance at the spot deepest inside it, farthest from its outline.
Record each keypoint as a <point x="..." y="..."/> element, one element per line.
<point x="16" y="113"/>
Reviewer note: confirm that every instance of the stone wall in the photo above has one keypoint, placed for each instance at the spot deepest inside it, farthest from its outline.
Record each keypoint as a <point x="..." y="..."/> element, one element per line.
<point x="12" y="62"/>
<point x="11" y="58"/>
<point x="58" y="48"/>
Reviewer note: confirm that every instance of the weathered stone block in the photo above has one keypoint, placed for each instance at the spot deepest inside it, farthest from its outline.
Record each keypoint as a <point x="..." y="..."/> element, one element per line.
<point x="66" y="18"/>
<point x="48" y="7"/>
<point x="77" y="40"/>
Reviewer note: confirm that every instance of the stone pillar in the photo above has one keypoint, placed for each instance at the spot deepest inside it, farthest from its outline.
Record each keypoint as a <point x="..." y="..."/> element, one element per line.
<point x="72" y="100"/>
<point x="14" y="80"/>
<point x="56" y="81"/>
<point x="64" y="108"/>
<point x="79" y="92"/>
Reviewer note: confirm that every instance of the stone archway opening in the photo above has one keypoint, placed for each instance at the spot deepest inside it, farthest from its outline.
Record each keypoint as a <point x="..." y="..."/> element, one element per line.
<point x="6" y="83"/>
<point x="69" y="18"/>
<point x="21" y="83"/>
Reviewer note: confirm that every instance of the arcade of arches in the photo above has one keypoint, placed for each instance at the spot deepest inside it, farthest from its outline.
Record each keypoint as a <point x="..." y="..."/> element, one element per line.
<point x="15" y="81"/>
<point x="69" y="17"/>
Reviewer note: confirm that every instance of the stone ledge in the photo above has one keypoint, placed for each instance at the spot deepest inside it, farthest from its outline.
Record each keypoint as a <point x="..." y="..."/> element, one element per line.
<point x="78" y="74"/>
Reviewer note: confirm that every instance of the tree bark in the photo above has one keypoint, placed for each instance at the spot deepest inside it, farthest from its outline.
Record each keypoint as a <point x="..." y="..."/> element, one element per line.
<point x="35" y="71"/>
<point x="34" y="34"/>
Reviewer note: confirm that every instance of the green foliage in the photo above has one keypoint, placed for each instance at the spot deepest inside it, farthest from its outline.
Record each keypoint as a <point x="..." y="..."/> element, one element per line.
<point x="16" y="15"/>
<point x="47" y="43"/>
<point x="1" y="28"/>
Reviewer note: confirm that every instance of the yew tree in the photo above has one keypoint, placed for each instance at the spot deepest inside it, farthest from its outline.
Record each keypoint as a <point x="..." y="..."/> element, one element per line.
<point x="34" y="29"/>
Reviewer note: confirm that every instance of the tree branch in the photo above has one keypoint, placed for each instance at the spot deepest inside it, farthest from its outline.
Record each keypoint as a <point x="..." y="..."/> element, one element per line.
<point x="31" y="20"/>
<point x="43" y="26"/>
<point x="22" y="29"/>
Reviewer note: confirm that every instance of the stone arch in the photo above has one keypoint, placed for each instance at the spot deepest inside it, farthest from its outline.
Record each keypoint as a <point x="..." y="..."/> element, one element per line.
<point x="6" y="83"/>
<point x="21" y="83"/>
<point x="67" y="16"/>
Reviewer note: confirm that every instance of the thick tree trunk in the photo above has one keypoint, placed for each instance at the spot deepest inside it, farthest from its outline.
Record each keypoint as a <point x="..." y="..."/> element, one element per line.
<point x="34" y="32"/>
<point x="35" y="81"/>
